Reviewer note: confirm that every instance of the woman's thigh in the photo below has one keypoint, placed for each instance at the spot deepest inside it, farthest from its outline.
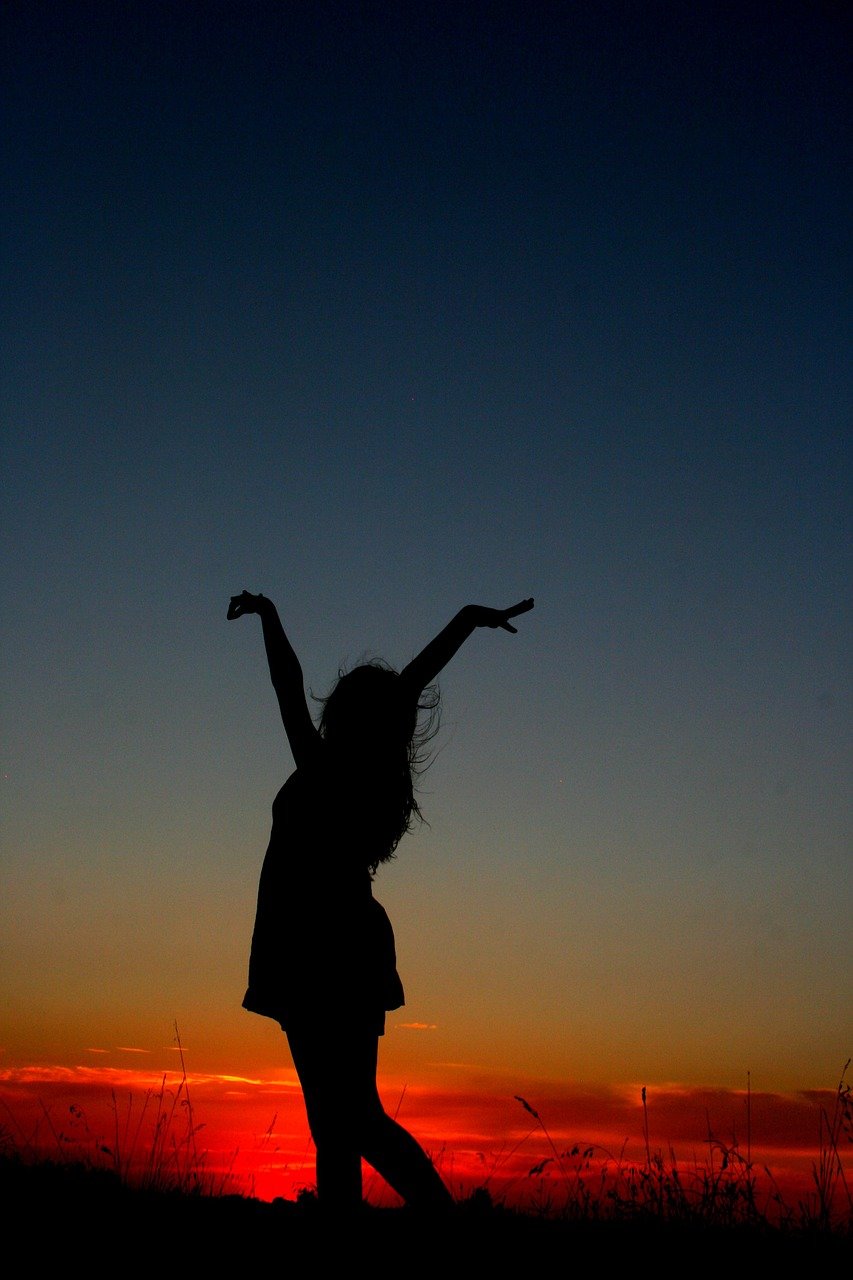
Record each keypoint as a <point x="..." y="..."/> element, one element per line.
<point x="336" y="1065"/>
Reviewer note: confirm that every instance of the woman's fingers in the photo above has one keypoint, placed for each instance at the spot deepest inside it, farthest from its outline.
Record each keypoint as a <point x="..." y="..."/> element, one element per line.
<point x="237" y="606"/>
<point x="523" y="606"/>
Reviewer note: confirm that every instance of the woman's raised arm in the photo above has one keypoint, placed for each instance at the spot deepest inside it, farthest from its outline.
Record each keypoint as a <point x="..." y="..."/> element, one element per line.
<point x="285" y="673"/>
<point x="423" y="669"/>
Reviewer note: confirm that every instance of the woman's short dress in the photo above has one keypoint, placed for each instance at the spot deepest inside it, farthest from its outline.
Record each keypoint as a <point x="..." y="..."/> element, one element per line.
<point x="322" y="945"/>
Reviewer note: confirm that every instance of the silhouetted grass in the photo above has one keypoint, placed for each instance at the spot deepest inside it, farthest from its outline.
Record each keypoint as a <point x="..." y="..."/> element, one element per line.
<point x="148" y="1188"/>
<point x="726" y="1190"/>
<point x="153" y="1145"/>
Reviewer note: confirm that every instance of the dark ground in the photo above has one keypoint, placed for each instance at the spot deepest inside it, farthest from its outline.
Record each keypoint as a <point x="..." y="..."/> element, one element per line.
<point x="62" y="1212"/>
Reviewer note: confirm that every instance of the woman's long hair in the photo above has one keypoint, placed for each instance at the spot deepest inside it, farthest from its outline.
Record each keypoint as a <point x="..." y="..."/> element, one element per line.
<point x="379" y="748"/>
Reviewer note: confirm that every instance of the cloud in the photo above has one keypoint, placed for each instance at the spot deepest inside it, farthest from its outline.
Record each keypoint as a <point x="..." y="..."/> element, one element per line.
<point x="458" y="1066"/>
<point x="47" y="1079"/>
<point x="485" y="1104"/>
<point x="126" y="1048"/>
<point x="416" y="1026"/>
<point x="485" y="1107"/>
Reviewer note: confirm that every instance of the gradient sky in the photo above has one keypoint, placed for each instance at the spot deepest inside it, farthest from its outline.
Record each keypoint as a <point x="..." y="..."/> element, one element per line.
<point x="380" y="312"/>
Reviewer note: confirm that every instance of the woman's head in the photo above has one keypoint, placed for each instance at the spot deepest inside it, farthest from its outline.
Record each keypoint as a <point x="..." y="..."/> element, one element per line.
<point x="364" y="709"/>
<point x="380" y="748"/>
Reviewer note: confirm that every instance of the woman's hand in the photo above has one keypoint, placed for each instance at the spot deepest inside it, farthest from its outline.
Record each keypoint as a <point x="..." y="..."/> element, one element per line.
<point x="425" y="667"/>
<point x="483" y="617"/>
<point x="244" y="603"/>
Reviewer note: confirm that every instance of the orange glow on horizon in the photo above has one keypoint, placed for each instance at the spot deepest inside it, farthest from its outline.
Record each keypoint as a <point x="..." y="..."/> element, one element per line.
<point x="249" y="1134"/>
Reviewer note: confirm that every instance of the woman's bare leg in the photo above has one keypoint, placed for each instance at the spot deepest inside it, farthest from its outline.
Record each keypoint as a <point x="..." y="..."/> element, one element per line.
<point x="337" y="1072"/>
<point x="322" y="1072"/>
<point x="404" y="1165"/>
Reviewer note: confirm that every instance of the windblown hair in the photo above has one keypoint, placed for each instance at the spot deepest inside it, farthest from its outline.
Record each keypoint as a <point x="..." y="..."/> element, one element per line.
<point x="379" y="746"/>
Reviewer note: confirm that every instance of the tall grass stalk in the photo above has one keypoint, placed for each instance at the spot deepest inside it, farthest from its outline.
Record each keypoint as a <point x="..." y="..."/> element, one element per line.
<point x="724" y="1191"/>
<point x="153" y="1145"/>
<point x="828" y="1172"/>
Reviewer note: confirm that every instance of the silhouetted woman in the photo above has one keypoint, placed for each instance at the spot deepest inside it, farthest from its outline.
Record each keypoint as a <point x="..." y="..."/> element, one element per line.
<point x="323" y="962"/>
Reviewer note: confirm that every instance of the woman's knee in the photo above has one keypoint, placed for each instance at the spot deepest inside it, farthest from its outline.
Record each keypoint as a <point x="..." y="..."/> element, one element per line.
<point x="358" y="1128"/>
<point x="340" y="1118"/>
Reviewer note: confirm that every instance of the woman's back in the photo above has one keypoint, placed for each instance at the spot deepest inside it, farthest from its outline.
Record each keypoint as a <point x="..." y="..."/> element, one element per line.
<point x="319" y="933"/>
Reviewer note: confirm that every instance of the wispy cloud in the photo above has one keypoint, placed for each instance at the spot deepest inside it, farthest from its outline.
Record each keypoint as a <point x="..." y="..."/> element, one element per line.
<point x="416" y="1026"/>
<point x="59" y="1078"/>
<point x="458" y="1066"/>
<point x="486" y="1106"/>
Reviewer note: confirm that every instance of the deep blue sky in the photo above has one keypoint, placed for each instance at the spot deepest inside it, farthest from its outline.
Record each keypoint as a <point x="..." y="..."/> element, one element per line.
<point x="381" y="311"/>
